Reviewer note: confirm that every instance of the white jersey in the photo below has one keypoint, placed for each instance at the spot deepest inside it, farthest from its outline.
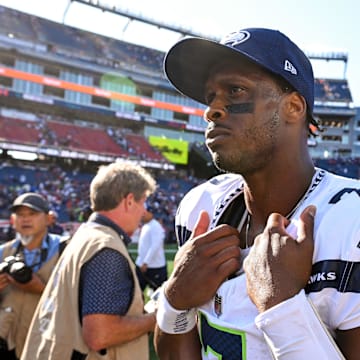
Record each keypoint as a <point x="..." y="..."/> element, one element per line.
<point x="151" y="245"/>
<point x="226" y="323"/>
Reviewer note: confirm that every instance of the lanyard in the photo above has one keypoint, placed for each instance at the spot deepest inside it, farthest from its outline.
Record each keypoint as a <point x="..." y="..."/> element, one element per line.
<point x="43" y="253"/>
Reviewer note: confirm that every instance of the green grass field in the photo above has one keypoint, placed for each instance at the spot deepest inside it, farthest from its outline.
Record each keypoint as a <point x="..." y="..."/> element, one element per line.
<point x="170" y="250"/>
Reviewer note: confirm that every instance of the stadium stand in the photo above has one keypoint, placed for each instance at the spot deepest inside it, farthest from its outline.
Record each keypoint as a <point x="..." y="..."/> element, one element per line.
<point x="332" y="90"/>
<point x="69" y="41"/>
<point x="60" y="99"/>
<point x="84" y="138"/>
<point x="138" y="145"/>
<point x="18" y="131"/>
<point x="17" y="23"/>
<point x="67" y="191"/>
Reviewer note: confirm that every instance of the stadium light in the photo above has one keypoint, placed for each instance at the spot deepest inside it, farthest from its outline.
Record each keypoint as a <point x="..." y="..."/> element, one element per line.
<point x="22" y="155"/>
<point x="330" y="55"/>
<point x="138" y="17"/>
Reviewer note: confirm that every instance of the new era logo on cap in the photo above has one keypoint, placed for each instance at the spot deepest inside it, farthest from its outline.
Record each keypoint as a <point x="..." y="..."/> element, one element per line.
<point x="290" y="67"/>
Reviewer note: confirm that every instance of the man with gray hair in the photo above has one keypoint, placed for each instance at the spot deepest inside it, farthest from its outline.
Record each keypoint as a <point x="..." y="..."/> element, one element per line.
<point x="93" y="307"/>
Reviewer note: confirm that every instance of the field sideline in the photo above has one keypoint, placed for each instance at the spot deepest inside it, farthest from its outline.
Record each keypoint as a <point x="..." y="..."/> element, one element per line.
<point x="170" y="250"/>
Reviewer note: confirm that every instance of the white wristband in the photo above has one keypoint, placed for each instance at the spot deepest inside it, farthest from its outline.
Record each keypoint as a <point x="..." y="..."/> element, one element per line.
<point x="173" y="321"/>
<point x="293" y="330"/>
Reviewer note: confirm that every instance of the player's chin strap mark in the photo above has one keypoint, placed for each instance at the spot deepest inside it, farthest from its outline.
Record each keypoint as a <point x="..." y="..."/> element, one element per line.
<point x="242" y="108"/>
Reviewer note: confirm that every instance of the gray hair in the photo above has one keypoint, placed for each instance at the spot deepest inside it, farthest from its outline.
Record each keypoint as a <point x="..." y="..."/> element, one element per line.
<point x="115" y="181"/>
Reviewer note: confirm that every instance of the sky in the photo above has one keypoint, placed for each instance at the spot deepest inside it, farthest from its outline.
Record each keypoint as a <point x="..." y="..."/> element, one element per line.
<point x="314" y="25"/>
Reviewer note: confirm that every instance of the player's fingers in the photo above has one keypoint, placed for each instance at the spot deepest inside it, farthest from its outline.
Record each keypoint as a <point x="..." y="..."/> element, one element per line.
<point x="306" y="225"/>
<point x="229" y="239"/>
<point x="202" y="224"/>
<point x="204" y="236"/>
<point x="227" y="253"/>
<point x="276" y="223"/>
<point x="200" y="228"/>
<point x="229" y="267"/>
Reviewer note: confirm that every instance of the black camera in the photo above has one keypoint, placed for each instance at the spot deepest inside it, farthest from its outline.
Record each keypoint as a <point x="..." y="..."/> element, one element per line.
<point x="16" y="268"/>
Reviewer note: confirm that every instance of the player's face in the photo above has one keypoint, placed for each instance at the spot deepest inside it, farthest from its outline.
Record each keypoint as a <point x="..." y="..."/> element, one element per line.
<point x="243" y="140"/>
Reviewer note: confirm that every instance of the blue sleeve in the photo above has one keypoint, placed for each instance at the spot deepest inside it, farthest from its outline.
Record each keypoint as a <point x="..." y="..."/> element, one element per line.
<point x="53" y="246"/>
<point x="106" y="284"/>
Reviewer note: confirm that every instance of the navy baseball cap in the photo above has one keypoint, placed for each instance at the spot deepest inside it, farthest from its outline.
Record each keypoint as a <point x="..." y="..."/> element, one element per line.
<point x="188" y="63"/>
<point x="31" y="200"/>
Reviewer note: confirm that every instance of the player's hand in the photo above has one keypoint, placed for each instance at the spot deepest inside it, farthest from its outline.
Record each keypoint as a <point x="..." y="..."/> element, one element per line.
<point x="202" y="264"/>
<point x="279" y="266"/>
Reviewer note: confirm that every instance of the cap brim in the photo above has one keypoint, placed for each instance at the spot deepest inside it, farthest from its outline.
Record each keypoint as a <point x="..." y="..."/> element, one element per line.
<point x="14" y="207"/>
<point x="188" y="63"/>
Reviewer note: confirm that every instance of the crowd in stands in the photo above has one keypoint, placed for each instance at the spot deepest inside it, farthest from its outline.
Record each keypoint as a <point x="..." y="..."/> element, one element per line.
<point x="348" y="167"/>
<point x="68" y="192"/>
<point x="332" y="90"/>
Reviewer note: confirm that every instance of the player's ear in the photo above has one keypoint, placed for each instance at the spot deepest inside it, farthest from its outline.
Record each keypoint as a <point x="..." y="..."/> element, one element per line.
<point x="294" y="107"/>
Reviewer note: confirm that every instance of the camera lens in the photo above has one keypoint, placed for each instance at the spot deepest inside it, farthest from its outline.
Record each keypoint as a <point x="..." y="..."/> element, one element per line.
<point x="4" y="267"/>
<point x="20" y="272"/>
